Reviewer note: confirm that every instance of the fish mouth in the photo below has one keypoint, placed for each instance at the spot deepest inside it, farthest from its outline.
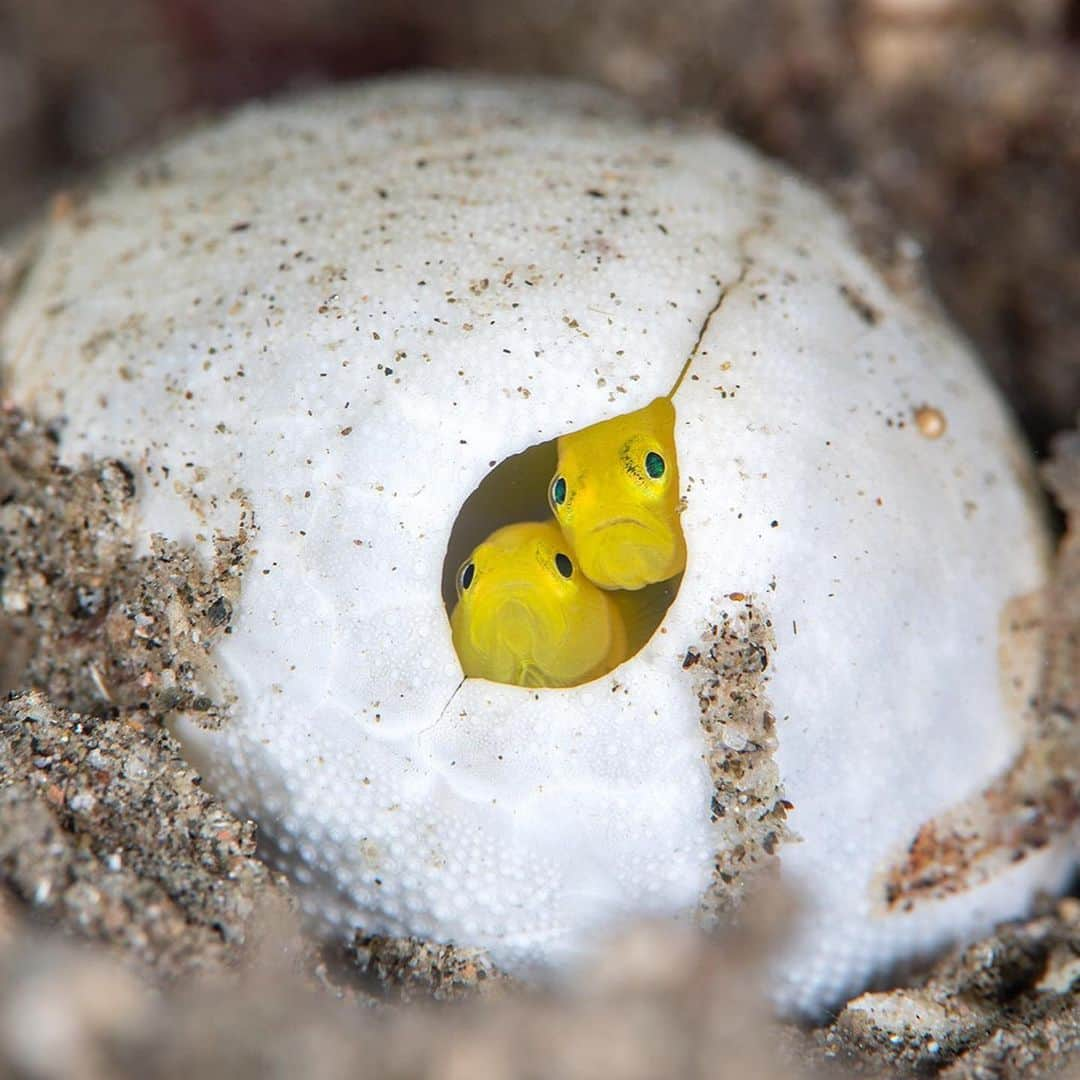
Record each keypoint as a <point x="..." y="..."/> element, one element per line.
<point x="522" y="624"/>
<point x="611" y="522"/>
<point x="627" y="553"/>
<point x="523" y="603"/>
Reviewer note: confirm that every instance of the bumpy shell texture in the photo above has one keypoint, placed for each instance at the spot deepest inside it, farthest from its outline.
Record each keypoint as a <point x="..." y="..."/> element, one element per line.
<point x="339" y="311"/>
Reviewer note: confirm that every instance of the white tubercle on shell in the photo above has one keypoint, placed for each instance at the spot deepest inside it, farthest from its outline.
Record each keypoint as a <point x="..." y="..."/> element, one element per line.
<point x="347" y="306"/>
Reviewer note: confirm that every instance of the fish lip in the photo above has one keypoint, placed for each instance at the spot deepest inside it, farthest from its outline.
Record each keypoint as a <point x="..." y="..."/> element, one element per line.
<point x="532" y="597"/>
<point x="620" y="521"/>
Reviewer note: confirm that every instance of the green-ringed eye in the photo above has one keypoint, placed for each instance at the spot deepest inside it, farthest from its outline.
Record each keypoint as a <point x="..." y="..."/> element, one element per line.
<point x="654" y="465"/>
<point x="558" y="490"/>
<point x="563" y="564"/>
<point x="468" y="571"/>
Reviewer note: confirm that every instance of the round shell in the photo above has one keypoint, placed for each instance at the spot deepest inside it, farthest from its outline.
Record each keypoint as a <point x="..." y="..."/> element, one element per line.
<point x="336" y="314"/>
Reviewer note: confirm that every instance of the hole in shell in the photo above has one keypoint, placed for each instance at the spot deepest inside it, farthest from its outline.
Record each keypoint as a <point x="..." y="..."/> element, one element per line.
<point x="515" y="491"/>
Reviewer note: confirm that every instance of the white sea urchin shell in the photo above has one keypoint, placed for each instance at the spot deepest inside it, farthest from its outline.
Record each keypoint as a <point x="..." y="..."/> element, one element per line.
<point x="347" y="306"/>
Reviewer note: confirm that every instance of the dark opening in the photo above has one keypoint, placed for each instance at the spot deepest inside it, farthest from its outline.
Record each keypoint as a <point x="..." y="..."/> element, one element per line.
<point x="515" y="490"/>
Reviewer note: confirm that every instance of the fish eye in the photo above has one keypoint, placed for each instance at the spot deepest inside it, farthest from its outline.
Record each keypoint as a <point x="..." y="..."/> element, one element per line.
<point x="654" y="464"/>
<point x="563" y="564"/>
<point x="558" y="493"/>
<point x="468" y="571"/>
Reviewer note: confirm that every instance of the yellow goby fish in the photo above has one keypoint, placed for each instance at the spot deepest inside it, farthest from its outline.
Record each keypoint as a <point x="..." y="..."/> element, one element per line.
<point x="526" y="615"/>
<point x="615" y="495"/>
<point x="615" y="492"/>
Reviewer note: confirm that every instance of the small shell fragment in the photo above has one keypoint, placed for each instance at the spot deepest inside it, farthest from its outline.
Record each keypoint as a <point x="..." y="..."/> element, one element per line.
<point x="930" y="421"/>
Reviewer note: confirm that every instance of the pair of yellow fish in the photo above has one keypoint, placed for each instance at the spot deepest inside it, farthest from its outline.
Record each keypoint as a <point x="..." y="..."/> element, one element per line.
<point x="542" y="603"/>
